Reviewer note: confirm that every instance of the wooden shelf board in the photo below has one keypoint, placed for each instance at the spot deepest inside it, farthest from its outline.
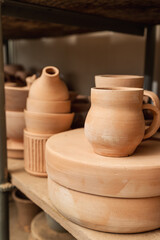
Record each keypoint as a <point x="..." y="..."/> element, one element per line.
<point x="36" y="189"/>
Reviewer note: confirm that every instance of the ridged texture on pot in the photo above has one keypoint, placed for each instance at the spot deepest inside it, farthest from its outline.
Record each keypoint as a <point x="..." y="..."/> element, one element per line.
<point x="117" y="215"/>
<point x="72" y="163"/>
<point x="34" y="153"/>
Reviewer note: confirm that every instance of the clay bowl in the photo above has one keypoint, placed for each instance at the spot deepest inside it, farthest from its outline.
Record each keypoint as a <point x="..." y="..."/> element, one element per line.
<point x="34" y="105"/>
<point x="15" y="98"/>
<point x="105" y="81"/>
<point x="15" y="124"/>
<point x="116" y="215"/>
<point x="47" y="122"/>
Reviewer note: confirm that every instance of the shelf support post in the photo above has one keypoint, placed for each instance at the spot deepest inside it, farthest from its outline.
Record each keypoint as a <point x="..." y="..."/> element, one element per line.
<point x="149" y="57"/>
<point x="4" y="207"/>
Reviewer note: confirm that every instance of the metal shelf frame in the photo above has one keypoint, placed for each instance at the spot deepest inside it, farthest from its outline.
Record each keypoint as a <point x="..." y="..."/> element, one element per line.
<point x="48" y="14"/>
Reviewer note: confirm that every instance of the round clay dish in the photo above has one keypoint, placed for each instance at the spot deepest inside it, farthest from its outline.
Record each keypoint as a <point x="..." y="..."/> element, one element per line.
<point x="76" y="166"/>
<point x="116" y="215"/>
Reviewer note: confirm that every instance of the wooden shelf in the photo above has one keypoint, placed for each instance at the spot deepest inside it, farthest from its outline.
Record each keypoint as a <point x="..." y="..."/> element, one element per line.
<point x="35" y="188"/>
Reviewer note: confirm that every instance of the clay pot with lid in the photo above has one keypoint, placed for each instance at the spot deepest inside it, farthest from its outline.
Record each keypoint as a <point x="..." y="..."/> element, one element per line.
<point x="115" y="124"/>
<point x="49" y="87"/>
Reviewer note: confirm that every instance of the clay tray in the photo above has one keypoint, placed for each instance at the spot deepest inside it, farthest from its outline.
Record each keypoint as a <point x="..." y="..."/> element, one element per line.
<point x="72" y="163"/>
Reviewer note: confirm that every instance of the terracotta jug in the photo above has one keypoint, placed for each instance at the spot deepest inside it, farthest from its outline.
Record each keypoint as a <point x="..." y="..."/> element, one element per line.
<point x="115" y="124"/>
<point x="49" y="87"/>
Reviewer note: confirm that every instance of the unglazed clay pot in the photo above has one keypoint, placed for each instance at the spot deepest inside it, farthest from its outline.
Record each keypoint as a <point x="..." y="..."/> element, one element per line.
<point x="41" y="231"/>
<point x="34" y="105"/>
<point x="115" y="124"/>
<point x="48" y="123"/>
<point x="76" y="166"/>
<point x="15" y="98"/>
<point x="116" y="215"/>
<point x="34" y="153"/>
<point x="107" y="81"/>
<point x="26" y="209"/>
<point x="15" y="124"/>
<point x="49" y="87"/>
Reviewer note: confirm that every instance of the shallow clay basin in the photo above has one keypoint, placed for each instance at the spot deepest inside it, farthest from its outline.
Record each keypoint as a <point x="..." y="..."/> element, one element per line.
<point x="48" y="123"/>
<point x="34" y="105"/>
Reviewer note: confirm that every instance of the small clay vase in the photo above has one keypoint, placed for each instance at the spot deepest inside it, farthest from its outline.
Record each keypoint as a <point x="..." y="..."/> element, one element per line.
<point x="49" y="87"/>
<point x="115" y="124"/>
<point x="26" y="209"/>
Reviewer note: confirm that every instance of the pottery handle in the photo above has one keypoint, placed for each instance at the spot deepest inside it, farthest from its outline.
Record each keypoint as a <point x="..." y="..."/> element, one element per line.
<point x="153" y="96"/>
<point x="156" y="120"/>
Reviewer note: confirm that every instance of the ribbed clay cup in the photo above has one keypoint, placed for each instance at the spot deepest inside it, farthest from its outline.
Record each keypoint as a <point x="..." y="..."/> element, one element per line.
<point x="49" y="87"/>
<point x="34" y="153"/>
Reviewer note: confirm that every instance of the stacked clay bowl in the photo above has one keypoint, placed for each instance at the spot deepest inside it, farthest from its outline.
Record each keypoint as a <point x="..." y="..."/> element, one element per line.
<point x="119" y="195"/>
<point x="15" y="101"/>
<point x="47" y="113"/>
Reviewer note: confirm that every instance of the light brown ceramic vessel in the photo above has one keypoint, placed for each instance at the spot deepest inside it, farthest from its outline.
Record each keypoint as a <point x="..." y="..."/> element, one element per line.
<point x="15" y="98"/>
<point x="46" y="123"/>
<point x="34" y="153"/>
<point x="107" y="81"/>
<point x="105" y="214"/>
<point x="34" y="105"/>
<point x="15" y="124"/>
<point x="115" y="125"/>
<point x="26" y="209"/>
<point x="76" y="166"/>
<point x="49" y="87"/>
<point x="15" y="149"/>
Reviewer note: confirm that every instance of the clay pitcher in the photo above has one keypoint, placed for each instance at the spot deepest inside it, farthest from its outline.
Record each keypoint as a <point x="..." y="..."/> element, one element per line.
<point x="115" y="124"/>
<point x="49" y="87"/>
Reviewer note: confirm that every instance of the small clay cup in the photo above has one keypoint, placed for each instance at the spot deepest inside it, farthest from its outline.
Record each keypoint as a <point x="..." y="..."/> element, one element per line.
<point x="107" y="81"/>
<point x="15" y="98"/>
<point x="47" y="123"/>
<point x="26" y="209"/>
<point x="34" y="105"/>
<point x="15" y="124"/>
<point x="115" y="124"/>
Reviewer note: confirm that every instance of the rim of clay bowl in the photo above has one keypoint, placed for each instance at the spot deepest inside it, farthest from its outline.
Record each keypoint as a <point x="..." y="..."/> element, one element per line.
<point x="120" y="89"/>
<point x="26" y="88"/>
<point x="15" y="113"/>
<point x="46" y="114"/>
<point x="58" y="101"/>
<point x="120" y="76"/>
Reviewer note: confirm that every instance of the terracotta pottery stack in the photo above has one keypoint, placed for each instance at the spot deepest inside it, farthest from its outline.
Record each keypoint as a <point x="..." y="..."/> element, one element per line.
<point x="15" y="99"/>
<point x="91" y="181"/>
<point x="47" y="113"/>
